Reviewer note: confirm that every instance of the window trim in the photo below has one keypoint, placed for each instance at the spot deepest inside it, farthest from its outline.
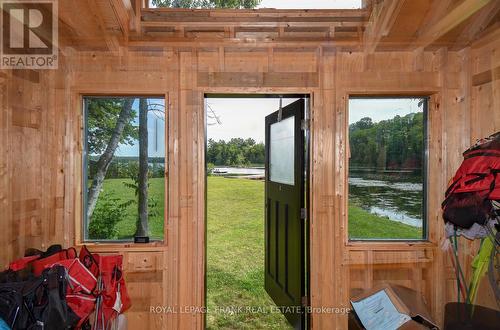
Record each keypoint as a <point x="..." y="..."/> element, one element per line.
<point x="83" y="239"/>
<point x="425" y="240"/>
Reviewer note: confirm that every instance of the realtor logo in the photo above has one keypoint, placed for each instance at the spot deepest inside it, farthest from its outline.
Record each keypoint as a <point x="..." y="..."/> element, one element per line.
<point x="29" y="34"/>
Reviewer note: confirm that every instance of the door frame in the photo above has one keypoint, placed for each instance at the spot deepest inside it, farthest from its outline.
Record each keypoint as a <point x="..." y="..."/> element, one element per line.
<point x="307" y="184"/>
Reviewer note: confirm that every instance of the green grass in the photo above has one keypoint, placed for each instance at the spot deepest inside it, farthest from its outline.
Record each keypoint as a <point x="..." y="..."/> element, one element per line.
<point x="235" y="256"/>
<point x="126" y="227"/>
<point x="364" y="225"/>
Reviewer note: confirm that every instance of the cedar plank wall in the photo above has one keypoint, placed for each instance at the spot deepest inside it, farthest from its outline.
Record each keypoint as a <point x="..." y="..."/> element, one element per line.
<point x="40" y="162"/>
<point x="31" y="163"/>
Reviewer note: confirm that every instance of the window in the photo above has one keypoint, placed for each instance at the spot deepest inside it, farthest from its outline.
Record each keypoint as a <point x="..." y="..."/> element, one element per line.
<point x="387" y="168"/>
<point x="124" y="166"/>
<point x="282" y="151"/>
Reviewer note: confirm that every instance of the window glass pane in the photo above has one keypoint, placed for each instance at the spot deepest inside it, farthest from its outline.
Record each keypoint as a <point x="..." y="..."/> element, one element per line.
<point x="124" y="195"/>
<point x="282" y="151"/>
<point x="387" y="168"/>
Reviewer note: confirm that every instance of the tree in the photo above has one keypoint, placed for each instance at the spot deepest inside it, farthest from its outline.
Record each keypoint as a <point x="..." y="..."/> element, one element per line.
<point x="109" y="124"/>
<point x="392" y="143"/>
<point x="235" y="152"/>
<point x="237" y="4"/>
<point x="142" y="219"/>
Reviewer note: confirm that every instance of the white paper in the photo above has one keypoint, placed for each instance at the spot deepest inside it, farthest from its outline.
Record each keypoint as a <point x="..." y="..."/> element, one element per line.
<point x="377" y="312"/>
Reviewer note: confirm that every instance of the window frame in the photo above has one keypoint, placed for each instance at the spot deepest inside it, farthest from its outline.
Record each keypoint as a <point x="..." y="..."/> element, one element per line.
<point x="83" y="237"/>
<point x="425" y="171"/>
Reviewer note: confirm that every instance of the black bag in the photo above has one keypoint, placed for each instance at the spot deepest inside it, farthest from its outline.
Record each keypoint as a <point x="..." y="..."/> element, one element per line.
<point x="38" y="304"/>
<point x="11" y="302"/>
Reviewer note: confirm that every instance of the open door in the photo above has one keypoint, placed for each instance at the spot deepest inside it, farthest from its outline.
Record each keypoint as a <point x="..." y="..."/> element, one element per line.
<point x="285" y="273"/>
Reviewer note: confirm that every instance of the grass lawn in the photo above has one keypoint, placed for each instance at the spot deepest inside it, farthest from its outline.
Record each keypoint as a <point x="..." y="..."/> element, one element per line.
<point x="126" y="227"/>
<point x="364" y="225"/>
<point x="235" y="270"/>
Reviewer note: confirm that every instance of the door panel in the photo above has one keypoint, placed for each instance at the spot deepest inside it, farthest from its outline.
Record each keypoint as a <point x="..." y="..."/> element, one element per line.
<point x="284" y="228"/>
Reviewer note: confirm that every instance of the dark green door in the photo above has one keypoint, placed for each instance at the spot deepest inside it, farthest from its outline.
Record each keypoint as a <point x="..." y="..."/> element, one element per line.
<point x="284" y="227"/>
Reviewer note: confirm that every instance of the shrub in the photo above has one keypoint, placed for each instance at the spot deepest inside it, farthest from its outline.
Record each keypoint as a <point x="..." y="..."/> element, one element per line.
<point x="210" y="168"/>
<point x="107" y="213"/>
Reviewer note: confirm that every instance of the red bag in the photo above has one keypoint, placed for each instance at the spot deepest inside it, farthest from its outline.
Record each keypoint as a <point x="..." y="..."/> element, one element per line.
<point x="80" y="278"/>
<point x="40" y="264"/>
<point x="89" y="260"/>
<point x="83" y="305"/>
<point x="475" y="184"/>
<point x="114" y="295"/>
<point x="22" y="263"/>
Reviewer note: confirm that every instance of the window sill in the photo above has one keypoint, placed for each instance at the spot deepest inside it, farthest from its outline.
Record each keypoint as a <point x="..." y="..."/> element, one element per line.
<point x="124" y="246"/>
<point x="392" y="245"/>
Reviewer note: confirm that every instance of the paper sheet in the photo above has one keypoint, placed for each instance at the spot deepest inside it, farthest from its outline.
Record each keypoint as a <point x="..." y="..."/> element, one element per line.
<point x="377" y="312"/>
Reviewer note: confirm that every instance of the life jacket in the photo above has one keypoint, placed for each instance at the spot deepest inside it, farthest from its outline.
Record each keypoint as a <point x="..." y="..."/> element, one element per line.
<point x="475" y="184"/>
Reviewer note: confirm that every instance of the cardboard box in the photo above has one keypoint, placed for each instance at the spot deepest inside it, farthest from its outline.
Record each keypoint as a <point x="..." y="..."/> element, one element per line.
<point x="406" y="301"/>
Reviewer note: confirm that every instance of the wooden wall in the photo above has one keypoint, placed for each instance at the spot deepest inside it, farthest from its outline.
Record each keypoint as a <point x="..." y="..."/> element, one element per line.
<point x="40" y="159"/>
<point x="32" y="170"/>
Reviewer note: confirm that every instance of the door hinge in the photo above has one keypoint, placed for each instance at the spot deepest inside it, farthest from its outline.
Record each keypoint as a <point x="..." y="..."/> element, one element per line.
<point x="305" y="301"/>
<point x="304" y="124"/>
<point x="303" y="214"/>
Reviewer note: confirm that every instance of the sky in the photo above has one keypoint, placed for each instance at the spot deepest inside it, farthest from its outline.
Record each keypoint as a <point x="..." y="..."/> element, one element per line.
<point x="381" y="109"/>
<point x="245" y="117"/>
<point x="241" y="117"/>
<point x="156" y="131"/>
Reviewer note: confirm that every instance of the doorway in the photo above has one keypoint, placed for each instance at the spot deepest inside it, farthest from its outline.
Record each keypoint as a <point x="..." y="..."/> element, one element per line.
<point x="256" y="211"/>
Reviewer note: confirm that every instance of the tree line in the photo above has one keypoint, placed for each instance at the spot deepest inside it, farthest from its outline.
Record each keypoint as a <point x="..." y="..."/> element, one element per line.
<point x="126" y="167"/>
<point x="389" y="144"/>
<point x="235" y="152"/>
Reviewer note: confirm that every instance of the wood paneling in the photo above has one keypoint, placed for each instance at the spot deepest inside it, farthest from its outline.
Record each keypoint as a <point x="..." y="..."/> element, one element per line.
<point x="41" y="142"/>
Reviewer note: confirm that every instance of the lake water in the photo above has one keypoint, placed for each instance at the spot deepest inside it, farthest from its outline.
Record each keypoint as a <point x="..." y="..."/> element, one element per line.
<point x="398" y="199"/>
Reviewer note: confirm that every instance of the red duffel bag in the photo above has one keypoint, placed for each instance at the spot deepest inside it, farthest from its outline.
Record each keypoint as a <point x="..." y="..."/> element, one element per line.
<point x="80" y="278"/>
<point x="89" y="260"/>
<point x="22" y="263"/>
<point x="40" y="264"/>
<point x="114" y="298"/>
<point x="83" y="305"/>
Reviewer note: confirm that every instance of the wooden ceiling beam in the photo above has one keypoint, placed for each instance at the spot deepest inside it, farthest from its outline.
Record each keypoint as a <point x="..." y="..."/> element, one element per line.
<point x="480" y="21"/>
<point x="448" y="21"/>
<point x="165" y="42"/>
<point x="263" y="12"/>
<point x="244" y="24"/>
<point x="381" y="23"/>
<point x="110" y="37"/>
<point x="490" y="34"/>
<point x="122" y="10"/>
